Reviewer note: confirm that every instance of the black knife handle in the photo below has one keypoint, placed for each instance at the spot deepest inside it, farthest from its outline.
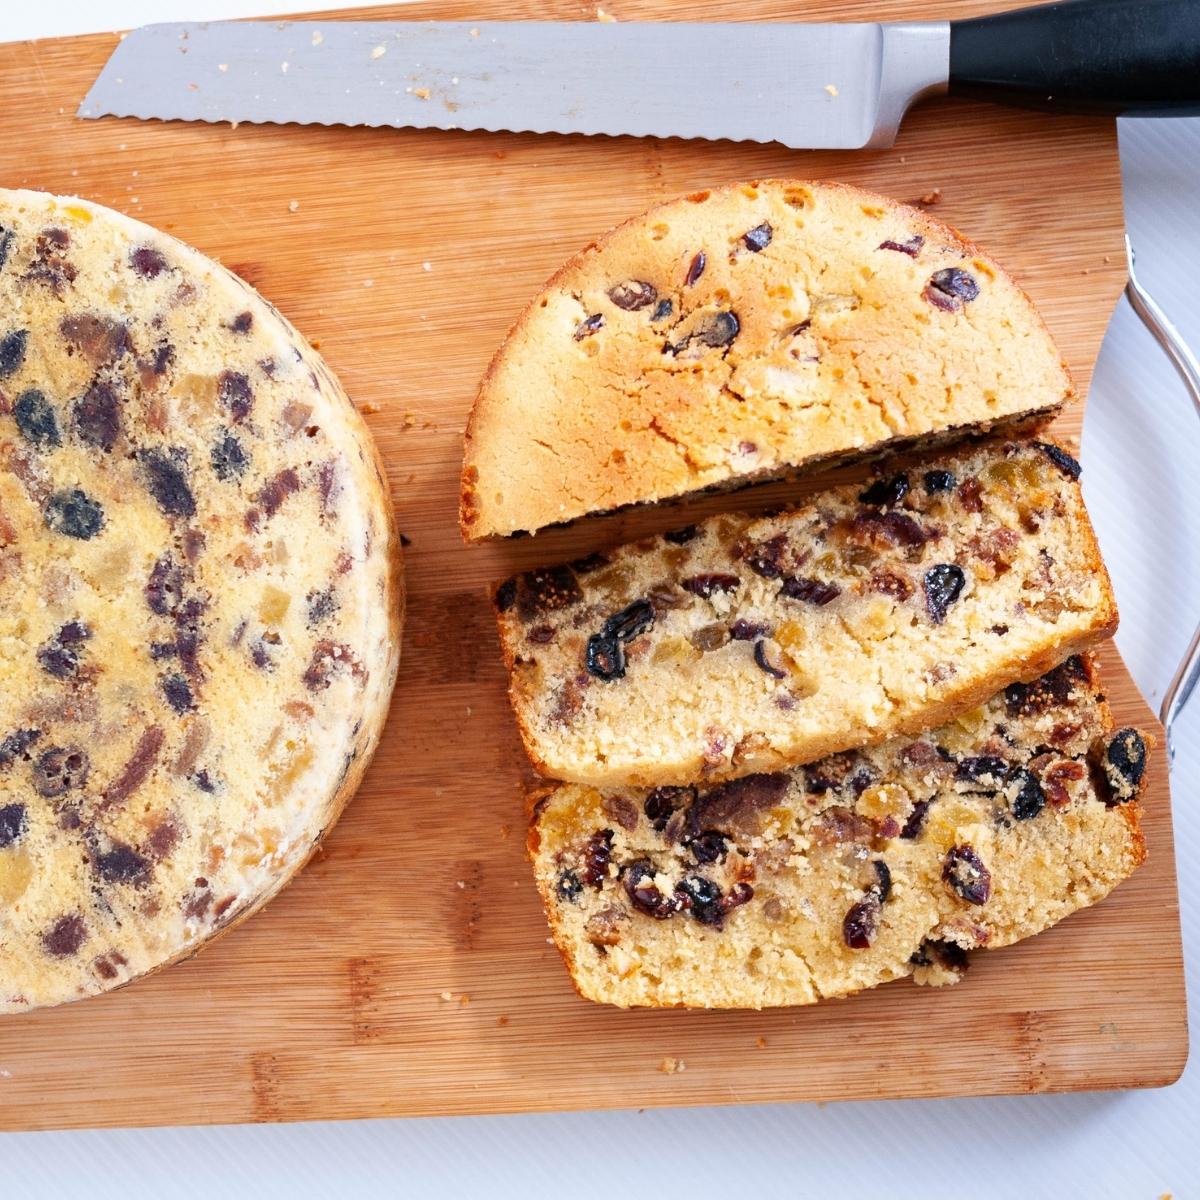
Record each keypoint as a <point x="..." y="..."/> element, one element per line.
<point x="1102" y="56"/>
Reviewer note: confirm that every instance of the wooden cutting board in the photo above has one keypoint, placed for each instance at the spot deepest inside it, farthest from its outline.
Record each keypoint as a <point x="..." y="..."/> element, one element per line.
<point x="407" y="970"/>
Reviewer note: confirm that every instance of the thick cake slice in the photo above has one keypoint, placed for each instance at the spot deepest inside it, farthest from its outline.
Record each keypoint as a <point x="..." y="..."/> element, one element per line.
<point x="750" y="644"/>
<point x="861" y="868"/>
<point x="200" y="600"/>
<point x="741" y="334"/>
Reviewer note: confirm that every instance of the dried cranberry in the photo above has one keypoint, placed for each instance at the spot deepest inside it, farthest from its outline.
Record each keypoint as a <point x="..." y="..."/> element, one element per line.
<point x="12" y="823"/>
<point x="708" y="847"/>
<point x="951" y="288"/>
<point x="766" y="559"/>
<point x="228" y="457"/>
<point x="888" y="583"/>
<point x="643" y="892"/>
<point x="943" y="583"/>
<point x="1025" y="795"/>
<point x="36" y="420"/>
<point x="891" y="528"/>
<point x="1061" y="459"/>
<point x="912" y="247"/>
<point x="588" y="326"/>
<point x="886" y="493"/>
<point x="596" y="856"/>
<point x="568" y="886"/>
<point x="764" y="663"/>
<point x="121" y="864"/>
<point x="97" y="416"/>
<point x="167" y="481"/>
<point x="664" y="801"/>
<point x="938" y="481"/>
<point x="234" y="391"/>
<point x="811" y="591"/>
<point x="695" y="269"/>
<point x="758" y="238"/>
<point x="74" y="514"/>
<point x="12" y="351"/>
<point x="65" y="936"/>
<point x="748" y="631"/>
<point x="60" y="769"/>
<point x="964" y="871"/>
<point x="861" y="921"/>
<point x="705" y="585"/>
<point x="1124" y="765"/>
<point x="681" y="537"/>
<point x="633" y="294"/>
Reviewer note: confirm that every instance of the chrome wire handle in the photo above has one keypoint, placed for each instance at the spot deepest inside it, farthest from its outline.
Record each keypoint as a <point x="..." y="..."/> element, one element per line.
<point x="1187" y="675"/>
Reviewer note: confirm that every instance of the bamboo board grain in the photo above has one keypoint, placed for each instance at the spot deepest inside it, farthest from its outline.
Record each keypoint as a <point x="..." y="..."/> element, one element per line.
<point x="332" y="1002"/>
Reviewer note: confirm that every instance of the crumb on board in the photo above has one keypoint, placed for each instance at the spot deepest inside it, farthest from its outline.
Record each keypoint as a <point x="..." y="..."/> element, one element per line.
<point x="447" y="996"/>
<point x="465" y="998"/>
<point x="462" y="883"/>
<point x="505" y="831"/>
<point x="427" y="266"/>
<point x="761" y="1043"/>
<point x="421" y="93"/>
<point x="378" y="51"/>
<point x="222" y="67"/>
<point x="369" y="406"/>
<point x="831" y="88"/>
<point x="931" y="198"/>
<point x="293" y="206"/>
<point x="502" y="1020"/>
<point x="605" y="18"/>
<point x="672" y="1066"/>
<point x="318" y="37"/>
<point x="474" y="32"/>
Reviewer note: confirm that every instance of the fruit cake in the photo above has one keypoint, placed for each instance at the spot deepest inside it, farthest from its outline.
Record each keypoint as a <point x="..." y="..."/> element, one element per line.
<point x="863" y="867"/>
<point x="747" y="644"/>
<point x="200" y="599"/>
<point x="741" y="334"/>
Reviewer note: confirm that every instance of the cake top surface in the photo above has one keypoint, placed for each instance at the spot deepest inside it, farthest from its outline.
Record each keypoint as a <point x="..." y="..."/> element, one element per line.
<point x="197" y="595"/>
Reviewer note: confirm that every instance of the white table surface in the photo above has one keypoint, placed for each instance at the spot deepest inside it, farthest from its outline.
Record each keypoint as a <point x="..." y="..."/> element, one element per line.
<point x="1141" y="450"/>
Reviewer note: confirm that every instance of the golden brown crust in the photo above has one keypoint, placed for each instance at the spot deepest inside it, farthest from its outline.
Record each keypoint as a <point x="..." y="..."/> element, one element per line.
<point x="494" y="407"/>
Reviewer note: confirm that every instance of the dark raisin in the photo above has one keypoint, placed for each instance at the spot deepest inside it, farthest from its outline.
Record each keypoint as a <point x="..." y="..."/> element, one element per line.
<point x="632" y="621"/>
<point x="568" y="886"/>
<point x="121" y="864"/>
<point x="748" y="631"/>
<point x="59" y="770"/>
<point x="942" y="583"/>
<point x="101" y="340"/>
<point x="588" y="326"/>
<point x="228" y="457"/>
<point x="178" y="692"/>
<point x="633" y="294"/>
<point x="1025" y="795"/>
<point x="861" y="780"/>
<point x="1124" y="765"/>
<point x="97" y="416"/>
<point x="912" y="247"/>
<point x="681" y="537"/>
<point x="663" y="802"/>
<point x="861" y="921"/>
<point x="506" y="595"/>
<point x="593" y="562"/>
<point x="12" y="823"/>
<point x="6" y="240"/>
<point x="705" y="585"/>
<point x="811" y="591"/>
<point x="643" y="892"/>
<point x="888" y="583"/>
<point x="148" y="262"/>
<point x="983" y="768"/>
<point x="60" y="655"/>
<point x="596" y="856"/>
<point x="764" y="663"/>
<point x="164" y="588"/>
<point x="605" y="657"/>
<point x="322" y="604"/>
<point x="728" y="805"/>
<point x="695" y="269"/>
<point x="710" y="637"/>
<point x="708" y="847"/>
<point x="15" y="744"/>
<point x="717" y="330"/>
<point x="12" y="352"/>
<point x="951" y="288"/>
<point x="277" y="489"/>
<point x="36" y="420"/>
<point x="883" y="876"/>
<point x="758" y="238"/>
<point x="65" y="936"/>
<point x="886" y="493"/>
<point x="662" y="310"/>
<point x="74" y="514"/>
<point x="965" y="873"/>
<point x="702" y="898"/>
<point x="546" y="589"/>
<point x="938" y="481"/>
<point x="204" y="781"/>
<point x="766" y="559"/>
<point x="234" y="391"/>
<point x="889" y="529"/>
<point x="1061" y="459"/>
<point x="167" y="482"/>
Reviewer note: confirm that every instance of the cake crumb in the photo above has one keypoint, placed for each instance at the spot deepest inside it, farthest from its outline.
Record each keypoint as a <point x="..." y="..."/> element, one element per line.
<point x="421" y="93"/>
<point x="462" y="883"/>
<point x="672" y="1066"/>
<point x="465" y="998"/>
<point x="474" y="32"/>
<point x="505" y="831"/>
<point x="831" y="88"/>
<point x="605" y="18"/>
<point x="447" y="996"/>
<point x="931" y="198"/>
<point x="501" y="1020"/>
<point x="369" y="406"/>
<point x="222" y="67"/>
<point x="293" y="206"/>
<point x="427" y="266"/>
<point x="318" y="37"/>
<point x="379" y="52"/>
<point x="761" y="1043"/>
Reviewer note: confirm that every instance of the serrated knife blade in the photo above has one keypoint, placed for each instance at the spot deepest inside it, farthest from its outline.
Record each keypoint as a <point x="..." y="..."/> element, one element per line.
<point x="808" y="86"/>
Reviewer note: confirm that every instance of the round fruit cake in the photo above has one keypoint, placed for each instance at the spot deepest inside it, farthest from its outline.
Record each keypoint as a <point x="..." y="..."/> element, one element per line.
<point x="200" y="599"/>
<point x="741" y="334"/>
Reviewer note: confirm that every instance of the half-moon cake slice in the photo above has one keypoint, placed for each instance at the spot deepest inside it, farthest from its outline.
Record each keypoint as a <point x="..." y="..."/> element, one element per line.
<point x="200" y="599"/>
<point x="860" y="868"/>
<point x="742" y="334"/>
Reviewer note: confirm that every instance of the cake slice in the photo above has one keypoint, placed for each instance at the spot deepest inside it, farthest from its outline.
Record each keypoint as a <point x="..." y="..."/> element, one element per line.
<point x="741" y="334"/>
<point x="749" y="644"/>
<point x="784" y="889"/>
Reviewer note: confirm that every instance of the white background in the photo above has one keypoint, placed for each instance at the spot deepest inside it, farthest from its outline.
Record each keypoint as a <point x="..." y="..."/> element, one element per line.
<point x="1142" y="480"/>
